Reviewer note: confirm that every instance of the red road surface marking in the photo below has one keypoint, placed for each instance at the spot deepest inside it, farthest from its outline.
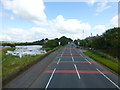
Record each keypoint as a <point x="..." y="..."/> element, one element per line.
<point x="80" y="71"/>
<point x="72" y="62"/>
<point x="70" y="48"/>
<point x="72" y="54"/>
<point x="71" y="57"/>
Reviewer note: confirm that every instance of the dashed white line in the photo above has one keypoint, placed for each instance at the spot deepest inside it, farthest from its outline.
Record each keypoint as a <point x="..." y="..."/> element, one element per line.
<point x="108" y="78"/>
<point x="73" y="59"/>
<point x="61" y="56"/>
<point x="88" y="61"/>
<point x="80" y="54"/>
<point x="72" y="56"/>
<point x="85" y="58"/>
<point x="50" y="79"/>
<point x="77" y="71"/>
<point x="58" y="61"/>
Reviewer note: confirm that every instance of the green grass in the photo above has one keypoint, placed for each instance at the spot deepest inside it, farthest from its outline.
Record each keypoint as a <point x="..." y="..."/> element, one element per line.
<point x="8" y="42"/>
<point x="12" y="63"/>
<point x="110" y="64"/>
<point x="105" y="55"/>
<point x="3" y="51"/>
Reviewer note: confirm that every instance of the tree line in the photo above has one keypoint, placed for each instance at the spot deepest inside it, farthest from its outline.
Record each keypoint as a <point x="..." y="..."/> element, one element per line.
<point x="108" y="42"/>
<point x="46" y="43"/>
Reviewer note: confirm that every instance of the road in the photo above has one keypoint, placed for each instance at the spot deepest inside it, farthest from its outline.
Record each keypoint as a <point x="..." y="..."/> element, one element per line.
<point x="70" y="68"/>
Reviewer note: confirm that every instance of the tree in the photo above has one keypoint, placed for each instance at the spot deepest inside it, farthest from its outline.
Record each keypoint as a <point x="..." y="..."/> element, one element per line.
<point x="64" y="40"/>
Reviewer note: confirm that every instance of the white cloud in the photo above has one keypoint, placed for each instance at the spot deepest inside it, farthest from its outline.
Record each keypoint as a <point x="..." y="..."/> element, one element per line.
<point x="71" y="28"/>
<point x="58" y="27"/>
<point x="31" y="10"/>
<point x="69" y="25"/>
<point x="17" y="34"/>
<point x="99" y="29"/>
<point x="101" y="6"/>
<point x="114" y="21"/>
<point x="91" y="2"/>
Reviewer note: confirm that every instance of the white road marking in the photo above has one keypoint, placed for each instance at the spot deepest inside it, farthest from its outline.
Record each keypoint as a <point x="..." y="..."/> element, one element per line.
<point x="70" y="52"/>
<point x="85" y="58"/>
<point x="63" y="51"/>
<point x="88" y="61"/>
<point x="80" y="54"/>
<point x="73" y="59"/>
<point x="71" y="55"/>
<point x="61" y="55"/>
<point x="58" y="61"/>
<point x="108" y="78"/>
<point x="50" y="79"/>
<point x="77" y="71"/>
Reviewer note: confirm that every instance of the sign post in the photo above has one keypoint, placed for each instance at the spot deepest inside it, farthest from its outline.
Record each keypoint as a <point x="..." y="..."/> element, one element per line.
<point x="59" y="43"/>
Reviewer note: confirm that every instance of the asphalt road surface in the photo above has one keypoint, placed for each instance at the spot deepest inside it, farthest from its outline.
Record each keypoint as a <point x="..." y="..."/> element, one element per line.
<point x="68" y="67"/>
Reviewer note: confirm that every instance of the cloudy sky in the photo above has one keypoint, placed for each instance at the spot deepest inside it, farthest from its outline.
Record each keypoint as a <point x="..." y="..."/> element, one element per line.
<point x="30" y="20"/>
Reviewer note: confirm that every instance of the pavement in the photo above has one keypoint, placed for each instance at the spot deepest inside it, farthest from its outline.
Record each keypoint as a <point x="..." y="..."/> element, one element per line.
<point x="67" y="67"/>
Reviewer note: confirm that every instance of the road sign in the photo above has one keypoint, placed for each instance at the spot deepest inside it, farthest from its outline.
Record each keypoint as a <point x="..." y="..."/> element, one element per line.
<point x="59" y="43"/>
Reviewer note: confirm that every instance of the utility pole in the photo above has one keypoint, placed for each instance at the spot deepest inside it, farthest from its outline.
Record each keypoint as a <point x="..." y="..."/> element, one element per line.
<point x="83" y="34"/>
<point x="91" y="34"/>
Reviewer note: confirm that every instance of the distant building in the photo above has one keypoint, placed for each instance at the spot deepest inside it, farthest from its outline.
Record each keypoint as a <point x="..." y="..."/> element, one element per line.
<point x="89" y="38"/>
<point x="92" y="37"/>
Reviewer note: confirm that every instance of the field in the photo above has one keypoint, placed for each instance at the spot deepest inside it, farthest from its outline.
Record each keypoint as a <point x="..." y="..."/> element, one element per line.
<point x="11" y="63"/>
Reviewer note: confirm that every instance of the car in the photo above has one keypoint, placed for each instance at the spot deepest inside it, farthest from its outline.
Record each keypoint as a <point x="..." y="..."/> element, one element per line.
<point x="77" y="46"/>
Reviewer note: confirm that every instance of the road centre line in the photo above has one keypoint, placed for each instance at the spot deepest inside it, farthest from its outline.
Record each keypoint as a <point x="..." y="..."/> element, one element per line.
<point x="61" y="56"/>
<point x="72" y="56"/>
<point x="77" y="71"/>
<point x="75" y="65"/>
<point x="54" y="70"/>
<point x="50" y="78"/>
<point x="58" y="61"/>
<point x="108" y="78"/>
<point x="73" y="59"/>
<point x="88" y="61"/>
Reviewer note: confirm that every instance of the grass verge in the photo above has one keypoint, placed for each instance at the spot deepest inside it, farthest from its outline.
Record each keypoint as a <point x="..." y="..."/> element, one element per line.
<point x="12" y="66"/>
<point x="11" y="63"/>
<point x="110" y="64"/>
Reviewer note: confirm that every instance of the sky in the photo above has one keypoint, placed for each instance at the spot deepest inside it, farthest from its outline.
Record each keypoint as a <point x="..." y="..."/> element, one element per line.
<point x="31" y="20"/>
